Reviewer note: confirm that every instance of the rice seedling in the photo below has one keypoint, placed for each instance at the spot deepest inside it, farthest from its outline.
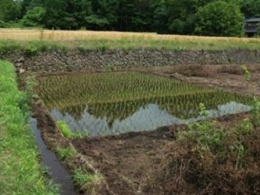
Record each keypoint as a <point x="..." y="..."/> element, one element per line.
<point x="121" y="102"/>
<point x="97" y="88"/>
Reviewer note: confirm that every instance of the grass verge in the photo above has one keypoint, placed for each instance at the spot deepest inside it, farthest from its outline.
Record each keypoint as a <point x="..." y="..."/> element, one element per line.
<point x="20" y="170"/>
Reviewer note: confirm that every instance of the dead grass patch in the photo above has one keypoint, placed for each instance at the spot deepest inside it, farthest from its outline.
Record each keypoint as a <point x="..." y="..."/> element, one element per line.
<point x="196" y="70"/>
<point x="190" y="168"/>
<point x="42" y="34"/>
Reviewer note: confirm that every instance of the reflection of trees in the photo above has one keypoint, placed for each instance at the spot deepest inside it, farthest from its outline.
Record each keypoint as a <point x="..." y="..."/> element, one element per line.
<point x="75" y="111"/>
<point x="186" y="106"/>
<point x="180" y="106"/>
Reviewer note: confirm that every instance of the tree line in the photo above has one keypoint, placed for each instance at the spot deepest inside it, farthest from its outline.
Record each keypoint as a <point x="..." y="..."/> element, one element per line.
<point x="185" y="17"/>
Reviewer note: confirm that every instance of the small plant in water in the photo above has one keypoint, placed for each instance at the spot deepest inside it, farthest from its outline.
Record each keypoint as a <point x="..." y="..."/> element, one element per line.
<point x="202" y="111"/>
<point x="65" y="130"/>
<point x="246" y="73"/>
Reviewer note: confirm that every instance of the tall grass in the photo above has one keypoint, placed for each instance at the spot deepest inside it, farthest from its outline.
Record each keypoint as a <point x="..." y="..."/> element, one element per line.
<point x="56" y="35"/>
<point x="19" y="166"/>
<point x="89" y="40"/>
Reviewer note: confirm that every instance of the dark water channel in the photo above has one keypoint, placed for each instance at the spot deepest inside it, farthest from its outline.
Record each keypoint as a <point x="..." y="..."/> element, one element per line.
<point x="112" y="119"/>
<point x="57" y="172"/>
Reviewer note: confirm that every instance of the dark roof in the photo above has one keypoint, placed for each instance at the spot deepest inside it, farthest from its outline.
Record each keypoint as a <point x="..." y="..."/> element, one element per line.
<point x="252" y="20"/>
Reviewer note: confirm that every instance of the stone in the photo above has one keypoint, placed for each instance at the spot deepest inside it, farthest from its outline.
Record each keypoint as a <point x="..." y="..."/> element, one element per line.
<point x="21" y="70"/>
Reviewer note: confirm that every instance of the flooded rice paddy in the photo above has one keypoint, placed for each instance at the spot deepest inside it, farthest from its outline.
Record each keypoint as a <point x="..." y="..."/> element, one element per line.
<point x="113" y="103"/>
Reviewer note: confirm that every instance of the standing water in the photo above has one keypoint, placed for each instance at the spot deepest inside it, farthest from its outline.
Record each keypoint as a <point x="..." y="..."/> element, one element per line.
<point x="58" y="173"/>
<point x="118" y="102"/>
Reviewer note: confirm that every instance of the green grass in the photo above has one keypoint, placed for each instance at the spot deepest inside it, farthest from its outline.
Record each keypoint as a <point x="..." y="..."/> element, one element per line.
<point x="86" y="45"/>
<point x="82" y="178"/>
<point x="65" y="153"/>
<point x="20" y="170"/>
<point x="65" y="130"/>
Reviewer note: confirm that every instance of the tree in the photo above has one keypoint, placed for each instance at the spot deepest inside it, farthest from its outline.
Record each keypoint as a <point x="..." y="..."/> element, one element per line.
<point x="182" y="15"/>
<point x="34" y="17"/>
<point x="219" y="18"/>
<point x="9" y="10"/>
<point x="103" y="15"/>
<point x="160" y="17"/>
<point x="250" y="8"/>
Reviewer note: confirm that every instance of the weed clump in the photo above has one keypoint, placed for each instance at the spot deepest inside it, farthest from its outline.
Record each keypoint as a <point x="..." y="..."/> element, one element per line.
<point x="66" y="131"/>
<point x="211" y="159"/>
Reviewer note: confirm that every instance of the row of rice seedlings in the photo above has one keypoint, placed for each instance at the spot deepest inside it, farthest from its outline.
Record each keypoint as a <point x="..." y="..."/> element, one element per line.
<point x="103" y="87"/>
<point x="183" y="107"/>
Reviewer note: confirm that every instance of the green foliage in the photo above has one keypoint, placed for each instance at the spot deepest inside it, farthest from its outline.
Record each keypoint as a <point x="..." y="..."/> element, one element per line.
<point x="250" y="8"/>
<point x="2" y="24"/>
<point x="30" y="50"/>
<point x="204" y="134"/>
<point x="65" y="153"/>
<point x="161" y="16"/>
<point x="80" y="134"/>
<point x="96" y="22"/>
<point x="219" y="18"/>
<point x="244" y="127"/>
<point x="31" y="83"/>
<point x="82" y="178"/>
<point x="246" y="73"/>
<point x="208" y="139"/>
<point x="19" y="164"/>
<point x="256" y="112"/>
<point x="9" y="10"/>
<point x="34" y="17"/>
<point x="65" y="130"/>
<point x="202" y="111"/>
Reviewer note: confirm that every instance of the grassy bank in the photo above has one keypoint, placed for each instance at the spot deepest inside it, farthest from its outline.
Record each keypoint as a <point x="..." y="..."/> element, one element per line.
<point x="19" y="161"/>
<point x="41" y="40"/>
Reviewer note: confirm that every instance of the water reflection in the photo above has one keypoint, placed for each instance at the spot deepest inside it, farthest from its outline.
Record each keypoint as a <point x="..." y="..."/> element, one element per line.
<point x="146" y="117"/>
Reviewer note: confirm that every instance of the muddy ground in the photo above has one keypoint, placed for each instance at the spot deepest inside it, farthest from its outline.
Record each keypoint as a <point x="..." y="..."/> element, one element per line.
<point x="129" y="163"/>
<point x="226" y="77"/>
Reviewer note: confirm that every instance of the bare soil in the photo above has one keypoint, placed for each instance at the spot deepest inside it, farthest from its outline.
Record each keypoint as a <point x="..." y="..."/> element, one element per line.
<point x="226" y="77"/>
<point x="129" y="163"/>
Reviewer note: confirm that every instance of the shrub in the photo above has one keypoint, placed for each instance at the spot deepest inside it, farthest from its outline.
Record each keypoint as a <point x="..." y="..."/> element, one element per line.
<point x="214" y="160"/>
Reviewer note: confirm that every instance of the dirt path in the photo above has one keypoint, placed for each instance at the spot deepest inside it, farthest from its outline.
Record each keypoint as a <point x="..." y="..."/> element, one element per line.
<point x="127" y="162"/>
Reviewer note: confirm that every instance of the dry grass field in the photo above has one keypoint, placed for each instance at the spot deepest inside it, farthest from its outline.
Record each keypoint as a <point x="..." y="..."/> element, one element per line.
<point x="88" y="40"/>
<point x="60" y="35"/>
